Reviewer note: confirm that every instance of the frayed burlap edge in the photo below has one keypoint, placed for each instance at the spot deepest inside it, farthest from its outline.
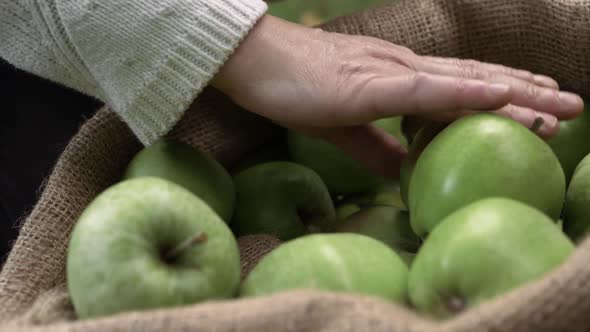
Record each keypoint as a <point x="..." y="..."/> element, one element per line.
<point x="547" y="36"/>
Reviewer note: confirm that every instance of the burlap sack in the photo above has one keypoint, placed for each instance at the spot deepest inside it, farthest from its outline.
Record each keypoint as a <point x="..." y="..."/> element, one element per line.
<point x="253" y="248"/>
<point x="545" y="36"/>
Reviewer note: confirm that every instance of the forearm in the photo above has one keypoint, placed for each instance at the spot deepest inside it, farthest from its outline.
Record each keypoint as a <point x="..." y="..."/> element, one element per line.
<point x="148" y="60"/>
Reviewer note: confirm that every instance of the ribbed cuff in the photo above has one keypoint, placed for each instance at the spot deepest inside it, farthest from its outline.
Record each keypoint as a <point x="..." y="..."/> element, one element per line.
<point x="196" y="59"/>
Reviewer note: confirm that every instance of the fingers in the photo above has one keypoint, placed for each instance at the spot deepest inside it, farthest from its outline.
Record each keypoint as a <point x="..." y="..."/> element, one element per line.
<point x="371" y="146"/>
<point x="527" y="117"/>
<point x="530" y="91"/>
<point x="563" y="105"/>
<point x="474" y="71"/>
<point x="523" y="115"/>
<point x="491" y="69"/>
<point x="424" y="93"/>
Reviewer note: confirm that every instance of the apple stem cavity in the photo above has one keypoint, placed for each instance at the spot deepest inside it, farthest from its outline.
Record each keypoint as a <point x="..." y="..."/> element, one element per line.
<point x="173" y="253"/>
<point x="537" y="124"/>
<point x="456" y="304"/>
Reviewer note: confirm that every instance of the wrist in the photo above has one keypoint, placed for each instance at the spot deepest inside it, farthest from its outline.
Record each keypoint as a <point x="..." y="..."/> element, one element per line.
<point x="244" y="56"/>
<point x="269" y="42"/>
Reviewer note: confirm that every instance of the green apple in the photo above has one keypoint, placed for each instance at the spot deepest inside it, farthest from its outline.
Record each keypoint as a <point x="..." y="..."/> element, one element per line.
<point x="362" y="200"/>
<point x="421" y="140"/>
<point x="341" y="173"/>
<point x="481" y="156"/>
<point x="283" y="199"/>
<point x="333" y="262"/>
<point x="148" y="243"/>
<point x="483" y="250"/>
<point x="388" y="194"/>
<point x="276" y="150"/>
<point x="184" y="165"/>
<point x="572" y="143"/>
<point x="576" y="212"/>
<point x="407" y="257"/>
<point x="387" y="224"/>
<point x="346" y="210"/>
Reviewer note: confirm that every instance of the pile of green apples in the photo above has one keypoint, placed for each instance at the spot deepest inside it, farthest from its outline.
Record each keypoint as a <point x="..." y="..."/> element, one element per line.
<point x="483" y="205"/>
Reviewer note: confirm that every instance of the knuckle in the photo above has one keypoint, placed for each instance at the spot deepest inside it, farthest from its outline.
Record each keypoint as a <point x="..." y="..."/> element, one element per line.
<point x="471" y="63"/>
<point x="405" y="50"/>
<point x="353" y="92"/>
<point x="456" y="62"/>
<point x="510" y="71"/>
<point x="351" y="80"/>
<point x="460" y="85"/>
<point x="410" y="61"/>
<point x="510" y="110"/>
<point x="415" y="82"/>
<point x="393" y="55"/>
<point x="554" y="96"/>
<point x="364" y="98"/>
<point x="416" y="79"/>
<point x="524" y="74"/>
<point x="473" y="72"/>
<point x="531" y="91"/>
<point x="472" y="69"/>
<point x="521" y="73"/>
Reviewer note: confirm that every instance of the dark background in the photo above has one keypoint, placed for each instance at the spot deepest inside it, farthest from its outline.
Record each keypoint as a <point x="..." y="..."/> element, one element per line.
<point x="37" y="119"/>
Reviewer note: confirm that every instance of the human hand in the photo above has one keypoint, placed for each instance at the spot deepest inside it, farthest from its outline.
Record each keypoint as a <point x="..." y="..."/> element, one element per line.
<point x="332" y="86"/>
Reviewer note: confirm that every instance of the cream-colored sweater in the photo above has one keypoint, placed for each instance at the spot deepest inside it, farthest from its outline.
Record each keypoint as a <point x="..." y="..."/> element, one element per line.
<point x="147" y="59"/>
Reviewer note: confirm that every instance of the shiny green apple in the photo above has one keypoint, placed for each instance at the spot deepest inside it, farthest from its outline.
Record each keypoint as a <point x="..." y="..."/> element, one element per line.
<point x="387" y="194"/>
<point x="420" y="141"/>
<point x="576" y="212"/>
<point x="148" y="243"/>
<point x="351" y="263"/>
<point x="346" y="210"/>
<point x="483" y="250"/>
<point x="572" y="143"/>
<point x="479" y="156"/>
<point x="186" y="166"/>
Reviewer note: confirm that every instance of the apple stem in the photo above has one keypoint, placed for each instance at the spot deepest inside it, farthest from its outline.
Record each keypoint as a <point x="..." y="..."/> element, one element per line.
<point x="184" y="245"/>
<point x="537" y="124"/>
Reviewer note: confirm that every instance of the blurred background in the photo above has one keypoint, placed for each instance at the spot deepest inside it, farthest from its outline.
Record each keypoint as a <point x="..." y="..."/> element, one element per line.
<point x="312" y="12"/>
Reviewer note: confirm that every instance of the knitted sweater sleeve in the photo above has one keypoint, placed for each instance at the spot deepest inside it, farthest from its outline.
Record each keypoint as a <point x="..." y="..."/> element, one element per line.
<point x="147" y="59"/>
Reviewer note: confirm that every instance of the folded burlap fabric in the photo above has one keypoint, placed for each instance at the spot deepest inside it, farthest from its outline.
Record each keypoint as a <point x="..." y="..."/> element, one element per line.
<point x="551" y="37"/>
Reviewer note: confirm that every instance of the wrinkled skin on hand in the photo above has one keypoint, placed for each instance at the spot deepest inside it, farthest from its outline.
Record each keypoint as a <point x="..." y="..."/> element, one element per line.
<point x="332" y="86"/>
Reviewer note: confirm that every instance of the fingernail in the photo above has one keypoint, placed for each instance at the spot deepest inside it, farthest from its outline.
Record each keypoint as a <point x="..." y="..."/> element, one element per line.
<point x="546" y="81"/>
<point x="571" y="100"/>
<point x="499" y="89"/>
<point x="549" y="123"/>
